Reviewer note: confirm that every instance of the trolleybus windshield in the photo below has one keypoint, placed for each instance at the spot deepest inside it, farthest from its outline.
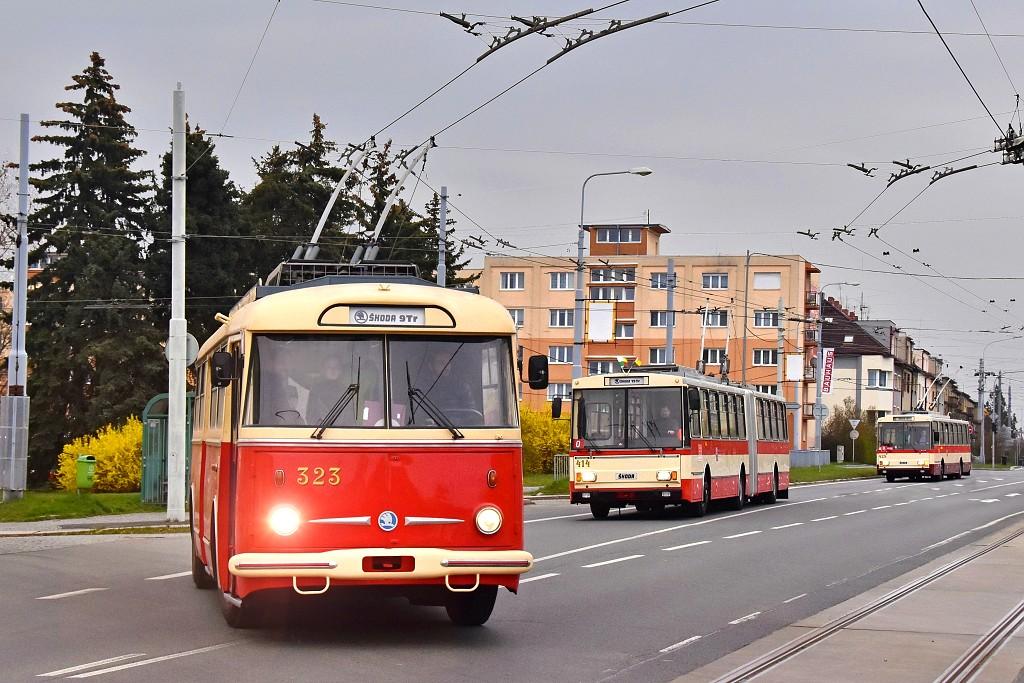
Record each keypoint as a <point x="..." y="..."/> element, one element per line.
<point x="629" y="418"/>
<point x="296" y="380"/>
<point x="902" y="435"/>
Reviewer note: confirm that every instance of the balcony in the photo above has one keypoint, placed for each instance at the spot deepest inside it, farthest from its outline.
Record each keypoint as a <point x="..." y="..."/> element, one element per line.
<point x="811" y="299"/>
<point x="808" y="411"/>
<point x="811" y="335"/>
<point x="809" y="373"/>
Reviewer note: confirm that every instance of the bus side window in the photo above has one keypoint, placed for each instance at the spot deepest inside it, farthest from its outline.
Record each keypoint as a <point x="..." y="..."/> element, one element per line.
<point x="730" y="412"/>
<point x="713" y="414"/>
<point x="705" y="417"/>
<point x="695" y="415"/>
<point x="758" y="414"/>
<point x="776" y="431"/>
<point x="780" y="422"/>
<point x="785" y="422"/>
<point x="741" y="416"/>
<point x="198" y="415"/>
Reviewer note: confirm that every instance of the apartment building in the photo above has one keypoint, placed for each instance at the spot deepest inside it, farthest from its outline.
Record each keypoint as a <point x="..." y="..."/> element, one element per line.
<point x="626" y="284"/>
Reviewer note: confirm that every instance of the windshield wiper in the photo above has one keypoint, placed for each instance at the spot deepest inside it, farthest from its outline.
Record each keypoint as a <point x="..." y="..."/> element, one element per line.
<point x="336" y="410"/>
<point x="417" y="395"/>
<point x="643" y="438"/>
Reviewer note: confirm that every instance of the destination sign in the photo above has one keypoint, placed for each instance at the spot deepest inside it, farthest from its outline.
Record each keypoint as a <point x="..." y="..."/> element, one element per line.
<point x="625" y="381"/>
<point x="386" y="316"/>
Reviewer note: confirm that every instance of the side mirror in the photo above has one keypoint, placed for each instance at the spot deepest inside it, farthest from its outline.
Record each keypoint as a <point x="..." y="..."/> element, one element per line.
<point x="537" y="372"/>
<point x="556" y="407"/>
<point x="693" y="398"/>
<point x="222" y="367"/>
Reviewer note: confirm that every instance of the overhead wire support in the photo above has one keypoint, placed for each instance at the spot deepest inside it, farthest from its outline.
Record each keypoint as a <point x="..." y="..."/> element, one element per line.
<point x="1011" y="145"/>
<point x="537" y="25"/>
<point x="616" y="25"/>
<point x="908" y="170"/>
<point x="948" y="171"/>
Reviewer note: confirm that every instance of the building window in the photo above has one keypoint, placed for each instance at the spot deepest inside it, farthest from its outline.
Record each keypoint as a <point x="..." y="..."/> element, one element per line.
<point x="561" y="390"/>
<point x="767" y="280"/>
<point x="613" y="293"/>
<point x="659" y="318"/>
<point x="658" y="355"/>
<point x="772" y="389"/>
<point x="518" y="316"/>
<point x="766" y="318"/>
<point x="513" y="280"/>
<point x="659" y="280"/>
<point x="563" y="280"/>
<point x="602" y="367"/>
<point x="561" y="317"/>
<point x="624" y="330"/>
<point x="766" y="357"/>
<point x="714" y="356"/>
<point x="560" y="355"/>
<point x="617" y="234"/>
<point x="716" y="318"/>
<point x="878" y="379"/>
<point x="715" y="281"/>
<point x="613" y="274"/>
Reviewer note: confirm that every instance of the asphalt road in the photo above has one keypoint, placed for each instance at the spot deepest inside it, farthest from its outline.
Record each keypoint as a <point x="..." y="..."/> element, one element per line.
<point x="630" y="598"/>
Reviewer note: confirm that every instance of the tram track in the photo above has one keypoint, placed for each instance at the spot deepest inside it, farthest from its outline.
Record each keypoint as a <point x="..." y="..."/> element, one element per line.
<point x="962" y="670"/>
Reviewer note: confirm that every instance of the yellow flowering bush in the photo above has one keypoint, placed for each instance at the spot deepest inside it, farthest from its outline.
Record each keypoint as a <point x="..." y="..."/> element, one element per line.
<point x="118" y="453"/>
<point x="543" y="438"/>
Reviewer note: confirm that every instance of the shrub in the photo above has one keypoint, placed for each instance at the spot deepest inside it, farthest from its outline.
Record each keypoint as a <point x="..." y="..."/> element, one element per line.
<point x="118" y="453"/>
<point x="543" y="438"/>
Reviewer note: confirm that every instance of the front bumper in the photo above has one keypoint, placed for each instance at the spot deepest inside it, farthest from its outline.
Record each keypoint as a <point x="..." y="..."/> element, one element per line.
<point x="351" y="564"/>
<point x="627" y="497"/>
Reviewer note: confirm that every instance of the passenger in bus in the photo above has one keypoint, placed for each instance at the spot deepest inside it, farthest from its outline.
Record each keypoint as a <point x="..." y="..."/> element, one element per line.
<point x="446" y="385"/>
<point x="667" y="423"/>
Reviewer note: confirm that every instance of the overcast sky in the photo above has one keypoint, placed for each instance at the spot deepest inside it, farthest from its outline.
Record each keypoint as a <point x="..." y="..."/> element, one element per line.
<point x="749" y="129"/>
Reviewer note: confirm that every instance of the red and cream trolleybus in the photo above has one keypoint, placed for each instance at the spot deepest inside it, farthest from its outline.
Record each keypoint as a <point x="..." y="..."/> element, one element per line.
<point x="359" y="429"/>
<point x="917" y="444"/>
<point x="651" y="439"/>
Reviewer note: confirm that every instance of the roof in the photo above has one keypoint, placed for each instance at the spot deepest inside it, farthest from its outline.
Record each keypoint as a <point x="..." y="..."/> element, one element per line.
<point x="843" y="325"/>
<point x="653" y="227"/>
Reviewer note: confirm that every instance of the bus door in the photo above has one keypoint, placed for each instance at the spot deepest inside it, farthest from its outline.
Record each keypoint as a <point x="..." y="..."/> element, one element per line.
<point x="230" y="453"/>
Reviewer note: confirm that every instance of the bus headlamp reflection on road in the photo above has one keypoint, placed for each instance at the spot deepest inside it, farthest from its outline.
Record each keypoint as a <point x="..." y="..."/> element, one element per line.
<point x="284" y="520"/>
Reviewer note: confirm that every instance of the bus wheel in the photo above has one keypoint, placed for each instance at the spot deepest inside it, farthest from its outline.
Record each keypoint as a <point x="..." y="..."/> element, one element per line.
<point x="700" y="509"/>
<point x="773" y="495"/>
<point x="960" y="473"/>
<point x="599" y="510"/>
<point x="890" y="477"/>
<point x="471" y="609"/>
<point x="236" y="614"/>
<point x="741" y="497"/>
<point x="942" y="471"/>
<point x="643" y="507"/>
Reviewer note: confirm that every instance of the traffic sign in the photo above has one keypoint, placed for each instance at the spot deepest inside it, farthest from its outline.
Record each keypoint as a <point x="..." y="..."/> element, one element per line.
<point x="854" y="423"/>
<point x="820" y="412"/>
<point x="854" y="434"/>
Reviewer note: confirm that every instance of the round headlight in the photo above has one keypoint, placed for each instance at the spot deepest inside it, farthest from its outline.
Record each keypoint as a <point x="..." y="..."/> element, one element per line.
<point x="488" y="520"/>
<point x="284" y="520"/>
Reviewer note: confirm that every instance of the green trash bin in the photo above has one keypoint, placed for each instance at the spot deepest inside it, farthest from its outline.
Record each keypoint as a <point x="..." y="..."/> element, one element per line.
<point x="86" y="471"/>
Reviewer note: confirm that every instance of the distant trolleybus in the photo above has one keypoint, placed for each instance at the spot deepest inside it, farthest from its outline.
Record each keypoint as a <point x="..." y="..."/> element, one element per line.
<point x="917" y="444"/>
<point x="651" y="439"/>
<point x="359" y="429"/>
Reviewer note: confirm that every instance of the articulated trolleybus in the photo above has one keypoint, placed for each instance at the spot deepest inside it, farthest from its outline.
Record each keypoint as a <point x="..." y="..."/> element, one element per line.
<point x="655" y="438"/>
<point x="358" y="426"/>
<point x="917" y="444"/>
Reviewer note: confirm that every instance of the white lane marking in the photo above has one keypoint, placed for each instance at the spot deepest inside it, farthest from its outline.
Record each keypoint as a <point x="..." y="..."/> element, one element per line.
<point x="81" y="667"/>
<point x="983" y="481"/>
<point x="1011" y="495"/>
<point x="786" y="526"/>
<point x="152" y="660"/>
<point x="925" y="498"/>
<point x="745" y="533"/>
<point x="986" y="488"/>
<point x="881" y="507"/>
<point x="822" y="519"/>
<point x="169" y="576"/>
<point x="537" y="578"/>
<point x="686" y="545"/>
<point x="749" y="617"/>
<point x="794" y="598"/>
<point x="989" y="500"/>
<point x="935" y="488"/>
<point x="957" y="484"/>
<point x="898" y="504"/>
<point x="618" y="559"/>
<point x="998" y="478"/>
<point x="942" y="496"/>
<point x="681" y="643"/>
<point x="977" y="528"/>
<point x="548" y="519"/>
<point x="666" y="530"/>
<point x="955" y="493"/>
<point x="58" y="596"/>
<point x="855" y="512"/>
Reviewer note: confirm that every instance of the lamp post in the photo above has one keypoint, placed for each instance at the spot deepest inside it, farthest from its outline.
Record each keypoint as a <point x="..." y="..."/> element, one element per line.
<point x="981" y="400"/>
<point x="818" y="418"/>
<point x="577" y="349"/>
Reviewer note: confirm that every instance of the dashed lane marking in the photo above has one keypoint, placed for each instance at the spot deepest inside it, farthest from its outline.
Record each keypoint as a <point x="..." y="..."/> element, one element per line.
<point x="537" y="578"/>
<point x="786" y="526"/>
<point x="178" y="575"/>
<point x="822" y="519"/>
<point x="881" y="507"/>
<point x="1011" y="495"/>
<point x="618" y="559"/>
<point x="986" y="488"/>
<point x="681" y="643"/>
<point x="977" y="528"/>
<point x="855" y="512"/>
<point x="989" y="500"/>
<point x="686" y="545"/>
<point x="152" y="660"/>
<point x="898" y="504"/>
<point x="745" y="533"/>
<point x="69" y="594"/>
<point x="794" y="598"/>
<point x="83" y="667"/>
<point x="749" y="617"/>
<point x="550" y="519"/>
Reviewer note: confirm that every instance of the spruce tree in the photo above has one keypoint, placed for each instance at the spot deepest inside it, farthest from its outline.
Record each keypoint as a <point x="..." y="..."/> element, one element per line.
<point x="94" y="351"/>
<point x="215" y="274"/>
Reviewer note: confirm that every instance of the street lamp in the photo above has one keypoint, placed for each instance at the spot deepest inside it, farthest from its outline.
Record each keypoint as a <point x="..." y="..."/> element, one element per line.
<point x="577" y="354"/>
<point x="818" y="408"/>
<point x="981" y="401"/>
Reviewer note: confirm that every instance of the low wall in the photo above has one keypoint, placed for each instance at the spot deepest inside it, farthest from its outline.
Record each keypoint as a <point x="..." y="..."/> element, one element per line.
<point x="808" y="458"/>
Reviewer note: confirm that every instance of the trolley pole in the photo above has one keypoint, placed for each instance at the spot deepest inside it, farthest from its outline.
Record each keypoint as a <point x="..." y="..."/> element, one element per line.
<point x="442" y="238"/>
<point x="176" y="340"/>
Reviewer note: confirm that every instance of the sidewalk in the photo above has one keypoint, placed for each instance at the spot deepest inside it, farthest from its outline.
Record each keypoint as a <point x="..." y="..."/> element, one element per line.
<point x="82" y="523"/>
<point x="915" y="638"/>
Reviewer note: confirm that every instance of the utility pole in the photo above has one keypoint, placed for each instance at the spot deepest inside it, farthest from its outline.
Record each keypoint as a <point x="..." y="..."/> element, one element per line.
<point x="819" y="371"/>
<point x="981" y="407"/>
<point x="997" y="412"/>
<point x="442" y="238"/>
<point x="780" y="349"/>
<point x="743" y="347"/>
<point x="178" y="329"/>
<point x="14" y="416"/>
<point x="577" y="316"/>
<point x="670" y="283"/>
